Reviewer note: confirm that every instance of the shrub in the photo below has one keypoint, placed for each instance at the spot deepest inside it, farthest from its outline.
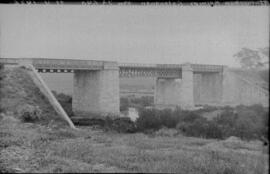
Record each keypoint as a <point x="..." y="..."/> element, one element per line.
<point x="123" y="125"/>
<point x="124" y="104"/>
<point x="226" y="122"/>
<point x="29" y="113"/>
<point x="148" y="119"/>
<point x="189" y="116"/>
<point x="246" y="122"/>
<point x="214" y="130"/>
<point x="167" y="118"/>
<point x="207" y="108"/>
<point x="155" y="119"/>
<point x="1" y="78"/>
<point x="120" y="124"/>
<point x="264" y="130"/>
<point x="249" y="124"/>
<point x="200" y="128"/>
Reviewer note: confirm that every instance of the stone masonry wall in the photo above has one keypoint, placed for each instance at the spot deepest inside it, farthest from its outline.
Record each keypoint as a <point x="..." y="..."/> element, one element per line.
<point x="207" y="88"/>
<point x="96" y="92"/>
<point x="175" y="92"/>
<point x="168" y="91"/>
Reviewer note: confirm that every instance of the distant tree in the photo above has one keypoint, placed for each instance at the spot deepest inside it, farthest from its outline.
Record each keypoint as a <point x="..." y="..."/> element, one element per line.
<point x="249" y="58"/>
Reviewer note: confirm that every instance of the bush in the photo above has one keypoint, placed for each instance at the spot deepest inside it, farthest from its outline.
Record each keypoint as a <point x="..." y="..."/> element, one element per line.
<point x="226" y="122"/>
<point x="1" y="78"/>
<point x="124" y="104"/>
<point x="249" y="124"/>
<point x="265" y="119"/>
<point x="29" y="113"/>
<point x="65" y="101"/>
<point x="189" y="116"/>
<point x="207" y="108"/>
<point x="120" y="124"/>
<point x="246" y="122"/>
<point x="155" y="119"/>
<point x="200" y="127"/>
<point x="167" y="118"/>
<point x="148" y="119"/>
<point x="123" y="125"/>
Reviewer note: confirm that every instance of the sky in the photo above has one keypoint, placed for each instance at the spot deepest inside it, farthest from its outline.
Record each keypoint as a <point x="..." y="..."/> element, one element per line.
<point x="133" y="33"/>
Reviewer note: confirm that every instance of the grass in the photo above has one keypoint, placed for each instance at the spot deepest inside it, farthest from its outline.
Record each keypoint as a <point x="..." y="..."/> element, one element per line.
<point x="37" y="148"/>
<point x="18" y="89"/>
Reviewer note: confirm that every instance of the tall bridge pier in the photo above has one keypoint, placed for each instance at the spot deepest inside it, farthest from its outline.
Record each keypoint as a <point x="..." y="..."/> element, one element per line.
<point x="96" y="91"/>
<point x="175" y="91"/>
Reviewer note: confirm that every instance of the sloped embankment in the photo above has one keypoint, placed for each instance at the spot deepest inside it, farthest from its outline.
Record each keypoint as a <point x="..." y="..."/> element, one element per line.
<point x="256" y="76"/>
<point x="18" y="90"/>
<point x="23" y="145"/>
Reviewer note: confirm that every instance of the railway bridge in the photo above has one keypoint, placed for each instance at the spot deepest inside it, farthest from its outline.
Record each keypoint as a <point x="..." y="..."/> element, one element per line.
<point x="96" y="83"/>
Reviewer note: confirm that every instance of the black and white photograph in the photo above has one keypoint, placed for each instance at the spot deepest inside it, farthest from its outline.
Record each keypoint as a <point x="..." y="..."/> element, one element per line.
<point x="92" y="87"/>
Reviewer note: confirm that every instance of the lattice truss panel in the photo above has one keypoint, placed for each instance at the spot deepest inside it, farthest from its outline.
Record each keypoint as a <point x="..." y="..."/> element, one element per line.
<point x="149" y="72"/>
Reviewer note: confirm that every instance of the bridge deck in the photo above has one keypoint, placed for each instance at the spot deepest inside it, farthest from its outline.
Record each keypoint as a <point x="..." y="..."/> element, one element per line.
<point x="195" y="67"/>
<point x="68" y="65"/>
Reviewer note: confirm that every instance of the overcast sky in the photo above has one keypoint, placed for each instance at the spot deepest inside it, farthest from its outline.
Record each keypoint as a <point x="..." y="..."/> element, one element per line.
<point x="140" y="34"/>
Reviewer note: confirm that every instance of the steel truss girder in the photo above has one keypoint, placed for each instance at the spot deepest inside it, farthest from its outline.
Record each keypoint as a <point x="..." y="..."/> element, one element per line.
<point x="149" y="72"/>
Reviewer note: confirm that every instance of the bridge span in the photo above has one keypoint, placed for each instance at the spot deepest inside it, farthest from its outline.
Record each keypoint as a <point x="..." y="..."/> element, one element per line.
<point x="45" y="65"/>
<point x="96" y="83"/>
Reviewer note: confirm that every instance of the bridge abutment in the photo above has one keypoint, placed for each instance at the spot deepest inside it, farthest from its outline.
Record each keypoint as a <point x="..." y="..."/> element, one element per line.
<point x="96" y="91"/>
<point x="171" y="92"/>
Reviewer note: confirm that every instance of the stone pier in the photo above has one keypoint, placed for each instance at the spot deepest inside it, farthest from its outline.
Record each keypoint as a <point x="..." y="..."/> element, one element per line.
<point x="96" y="91"/>
<point x="207" y="88"/>
<point x="171" y="92"/>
